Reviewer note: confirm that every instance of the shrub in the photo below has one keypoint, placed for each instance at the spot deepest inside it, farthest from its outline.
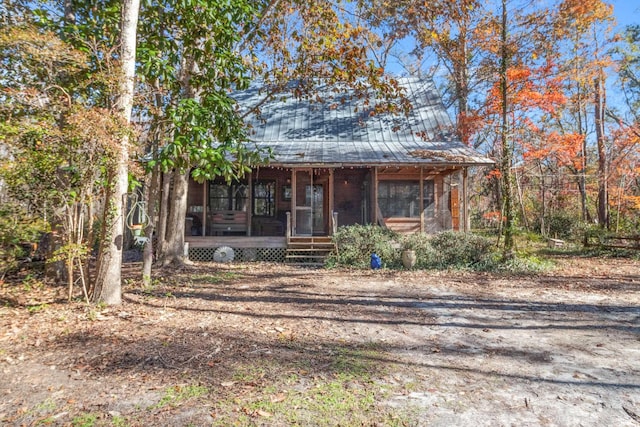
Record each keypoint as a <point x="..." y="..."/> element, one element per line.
<point x="356" y="243"/>
<point x="445" y="250"/>
<point x="565" y="227"/>
<point x="522" y="264"/>
<point x="461" y="250"/>
<point x="17" y="231"/>
<point x="449" y="249"/>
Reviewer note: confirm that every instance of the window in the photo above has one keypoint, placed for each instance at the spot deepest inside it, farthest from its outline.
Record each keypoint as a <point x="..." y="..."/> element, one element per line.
<point x="401" y="199"/>
<point x="429" y="199"/>
<point x="223" y="197"/>
<point x="264" y="198"/>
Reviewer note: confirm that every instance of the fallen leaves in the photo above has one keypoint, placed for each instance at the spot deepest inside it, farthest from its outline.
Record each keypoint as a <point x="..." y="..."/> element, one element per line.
<point x="209" y="337"/>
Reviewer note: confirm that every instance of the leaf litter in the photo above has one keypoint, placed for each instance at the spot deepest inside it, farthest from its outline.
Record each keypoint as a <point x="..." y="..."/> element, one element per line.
<point x="270" y="344"/>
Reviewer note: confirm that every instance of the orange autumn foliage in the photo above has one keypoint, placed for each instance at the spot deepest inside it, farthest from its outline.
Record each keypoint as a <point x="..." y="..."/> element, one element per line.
<point x="563" y="148"/>
<point x="531" y="89"/>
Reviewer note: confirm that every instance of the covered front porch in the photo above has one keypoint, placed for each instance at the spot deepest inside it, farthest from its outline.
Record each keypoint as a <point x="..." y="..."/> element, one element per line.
<point x="274" y="204"/>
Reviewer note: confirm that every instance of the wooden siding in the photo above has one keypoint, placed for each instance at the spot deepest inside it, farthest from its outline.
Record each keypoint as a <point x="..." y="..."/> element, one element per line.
<point x="350" y="192"/>
<point x="403" y="225"/>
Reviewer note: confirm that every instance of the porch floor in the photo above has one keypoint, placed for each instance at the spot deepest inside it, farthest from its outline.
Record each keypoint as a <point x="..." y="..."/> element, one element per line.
<point x="236" y="241"/>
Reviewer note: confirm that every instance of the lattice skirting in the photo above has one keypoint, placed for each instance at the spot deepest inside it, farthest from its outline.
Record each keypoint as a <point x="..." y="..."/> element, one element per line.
<point x="241" y="254"/>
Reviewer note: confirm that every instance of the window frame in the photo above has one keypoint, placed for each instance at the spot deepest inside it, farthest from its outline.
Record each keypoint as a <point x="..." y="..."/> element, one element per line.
<point x="234" y="200"/>
<point x="395" y="201"/>
<point x="269" y="198"/>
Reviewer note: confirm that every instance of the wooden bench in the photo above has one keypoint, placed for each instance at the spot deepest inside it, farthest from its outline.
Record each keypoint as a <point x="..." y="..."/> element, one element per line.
<point x="228" y="222"/>
<point x="555" y="243"/>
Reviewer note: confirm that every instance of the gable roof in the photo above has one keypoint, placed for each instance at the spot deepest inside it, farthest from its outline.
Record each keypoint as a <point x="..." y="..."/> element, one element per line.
<point x="342" y="131"/>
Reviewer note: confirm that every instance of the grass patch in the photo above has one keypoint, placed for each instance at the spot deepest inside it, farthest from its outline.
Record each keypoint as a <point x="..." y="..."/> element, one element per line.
<point x="355" y="362"/>
<point x="85" y="420"/>
<point x="46" y="406"/>
<point x="248" y="374"/>
<point x="342" y="392"/>
<point x="176" y="395"/>
<point x="118" y="421"/>
<point x="336" y="400"/>
<point x="214" y="279"/>
<point x="36" y="308"/>
<point x="524" y="264"/>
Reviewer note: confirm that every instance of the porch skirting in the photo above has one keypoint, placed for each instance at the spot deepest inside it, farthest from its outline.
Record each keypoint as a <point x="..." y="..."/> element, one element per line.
<point x="241" y="254"/>
<point x="246" y="249"/>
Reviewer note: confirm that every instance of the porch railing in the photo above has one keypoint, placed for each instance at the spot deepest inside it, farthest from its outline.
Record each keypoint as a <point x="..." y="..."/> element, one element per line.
<point x="288" y="227"/>
<point x="334" y="222"/>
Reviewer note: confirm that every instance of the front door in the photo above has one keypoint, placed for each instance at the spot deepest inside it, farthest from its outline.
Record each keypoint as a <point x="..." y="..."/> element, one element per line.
<point x="309" y="207"/>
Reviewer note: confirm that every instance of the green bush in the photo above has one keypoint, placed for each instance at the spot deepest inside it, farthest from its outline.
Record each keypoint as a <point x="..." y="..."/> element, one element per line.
<point x="522" y="264"/>
<point x="449" y="249"/>
<point x="17" y="231"/>
<point x="564" y="227"/>
<point x="356" y="243"/>
<point x="461" y="250"/>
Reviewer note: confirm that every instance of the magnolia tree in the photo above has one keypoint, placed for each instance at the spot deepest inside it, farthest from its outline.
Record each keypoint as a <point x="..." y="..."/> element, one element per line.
<point x="59" y="145"/>
<point x="193" y="57"/>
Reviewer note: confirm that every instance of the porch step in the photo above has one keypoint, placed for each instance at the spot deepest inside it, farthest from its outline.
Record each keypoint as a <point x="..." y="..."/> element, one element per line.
<point x="308" y="250"/>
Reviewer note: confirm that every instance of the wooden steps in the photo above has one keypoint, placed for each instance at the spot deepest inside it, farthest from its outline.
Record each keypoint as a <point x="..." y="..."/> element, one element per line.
<point x="309" y="251"/>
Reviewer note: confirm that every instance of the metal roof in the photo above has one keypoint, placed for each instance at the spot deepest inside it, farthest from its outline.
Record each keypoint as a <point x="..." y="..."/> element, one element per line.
<point x="341" y="130"/>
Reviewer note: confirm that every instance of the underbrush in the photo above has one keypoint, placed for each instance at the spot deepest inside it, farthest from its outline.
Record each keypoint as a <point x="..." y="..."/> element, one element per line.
<point x="446" y="250"/>
<point x="595" y="251"/>
<point x="19" y="235"/>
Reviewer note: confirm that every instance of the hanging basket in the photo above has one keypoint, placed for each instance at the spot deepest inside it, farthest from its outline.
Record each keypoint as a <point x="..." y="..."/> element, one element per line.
<point x="136" y="229"/>
<point x="137" y="218"/>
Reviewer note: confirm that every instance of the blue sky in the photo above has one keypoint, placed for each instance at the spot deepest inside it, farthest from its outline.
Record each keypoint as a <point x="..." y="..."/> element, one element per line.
<point x="627" y="12"/>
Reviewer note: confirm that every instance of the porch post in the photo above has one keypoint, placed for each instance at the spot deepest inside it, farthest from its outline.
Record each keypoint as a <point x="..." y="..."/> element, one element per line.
<point x="249" y="203"/>
<point x="374" y="198"/>
<point x="438" y="193"/>
<point x="288" y="230"/>
<point x="421" y="199"/>
<point x="332" y="217"/>
<point x="466" y="219"/>
<point x="204" y="207"/>
<point x="293" y="202"/>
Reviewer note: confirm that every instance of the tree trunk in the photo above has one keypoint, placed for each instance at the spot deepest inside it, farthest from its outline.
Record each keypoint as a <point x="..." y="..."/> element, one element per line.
<point x="507" y="192"/>
<point x="164" y="208"/>
<point x="108" y="286"/>
<point x="582" y="172"/>
<point x="461" y="74"/>
<point x="543" y="200"/>
<point x="152" y="211"/>
<point x="174" y="239"/>
<point x="603" y="193"/>
<point x="69" y="13"/>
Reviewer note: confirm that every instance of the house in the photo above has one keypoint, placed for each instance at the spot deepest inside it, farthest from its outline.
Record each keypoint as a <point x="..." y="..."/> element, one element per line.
<point x="336" y="163"/>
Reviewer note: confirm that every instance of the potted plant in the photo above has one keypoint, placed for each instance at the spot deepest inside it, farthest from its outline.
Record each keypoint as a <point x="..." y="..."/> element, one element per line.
<point x="137" y="229"/>
<point x="408" y="254"/>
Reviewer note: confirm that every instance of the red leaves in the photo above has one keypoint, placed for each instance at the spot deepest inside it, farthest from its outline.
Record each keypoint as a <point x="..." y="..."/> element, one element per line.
<point x="563" y="148"/>
<point x="530" y="89"/>
<point x="468" y="125"/>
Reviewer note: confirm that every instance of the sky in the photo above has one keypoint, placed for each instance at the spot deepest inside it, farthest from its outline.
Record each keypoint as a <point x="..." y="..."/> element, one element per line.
<point x="627" y="12"/>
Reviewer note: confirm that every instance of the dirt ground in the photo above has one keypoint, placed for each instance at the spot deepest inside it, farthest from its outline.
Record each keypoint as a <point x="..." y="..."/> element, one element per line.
<point x="274" y="345"/>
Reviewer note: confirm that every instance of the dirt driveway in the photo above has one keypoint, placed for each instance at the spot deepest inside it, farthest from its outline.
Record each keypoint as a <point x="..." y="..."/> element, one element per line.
<point x="265" y="344"/>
